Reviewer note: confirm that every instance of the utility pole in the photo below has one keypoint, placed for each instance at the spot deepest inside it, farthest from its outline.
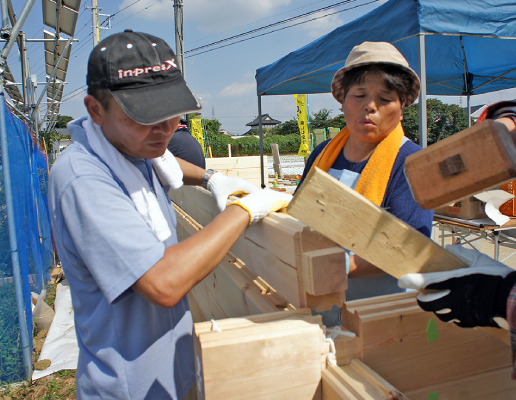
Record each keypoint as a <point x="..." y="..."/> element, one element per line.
<point x="180" y="52"/>
<point x="95" y="21"/>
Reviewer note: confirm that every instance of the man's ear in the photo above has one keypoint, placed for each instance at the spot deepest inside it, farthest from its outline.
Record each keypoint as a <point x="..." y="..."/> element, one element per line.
<point x="95" y="109"/>
<point x="401" y="116"/>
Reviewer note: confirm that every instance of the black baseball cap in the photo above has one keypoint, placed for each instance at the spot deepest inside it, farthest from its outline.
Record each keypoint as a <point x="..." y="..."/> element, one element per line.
<point x="142" y="73"/>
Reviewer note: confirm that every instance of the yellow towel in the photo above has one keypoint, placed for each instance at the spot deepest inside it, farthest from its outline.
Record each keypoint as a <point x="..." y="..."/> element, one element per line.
<point x="373" y="180"/>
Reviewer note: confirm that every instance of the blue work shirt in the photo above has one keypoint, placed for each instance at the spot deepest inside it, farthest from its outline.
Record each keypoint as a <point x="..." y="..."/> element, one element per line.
<point x="129" y="348"/>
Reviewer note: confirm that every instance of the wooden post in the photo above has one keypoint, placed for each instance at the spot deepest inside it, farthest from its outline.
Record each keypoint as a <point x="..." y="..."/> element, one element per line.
<point x="277" y="162"/>
<point x="229" y="149"/>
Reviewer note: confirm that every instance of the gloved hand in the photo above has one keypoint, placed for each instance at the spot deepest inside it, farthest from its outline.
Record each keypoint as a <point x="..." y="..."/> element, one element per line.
<point x="221" y="187"/>
<point x="262" y="202"/>
<point x="473" y="296"/>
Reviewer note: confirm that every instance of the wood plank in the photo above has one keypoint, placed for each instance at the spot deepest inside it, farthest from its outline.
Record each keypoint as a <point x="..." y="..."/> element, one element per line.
<point x="274" y="360"/>
<point x="197" y="314"/>
<point x="235" y="289"/>
<point x="455" y="167"/>
<point x="395" y="345"/>
<point x="273" y="249"/>
<point x="355" y="223"/>
<point x="324" y="271"/>
<point x="206" y="303"/>
<point x="364" y="383"/>
<point x="333" y="389"/>
<point x="251" y="320"/>
<point x="496" y="384"/>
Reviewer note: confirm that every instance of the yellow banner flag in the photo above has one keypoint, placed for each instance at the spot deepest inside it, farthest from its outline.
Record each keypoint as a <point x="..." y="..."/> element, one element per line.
<point x="196" y="129"/>
<point x="302" y="121"/>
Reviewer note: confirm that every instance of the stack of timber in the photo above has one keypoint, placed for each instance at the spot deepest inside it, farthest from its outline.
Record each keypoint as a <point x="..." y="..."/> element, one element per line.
<point x="247" y="168"/>
<point x="281" y="264"/>
<point x="302" y="265"/>
<point x="272" y="356"/>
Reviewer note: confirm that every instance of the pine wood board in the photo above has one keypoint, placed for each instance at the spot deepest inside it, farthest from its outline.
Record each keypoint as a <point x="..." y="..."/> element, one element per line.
<point x="251" y="320"/>
<point x="234" y="162"/>
<point x="364" y="383"/>
<point x="496" y="385"/>
<point x="275" y="360"/>
<point x="395" y="344"/>
<point x="231" y="289"/>
<point x="273" y="249"/>
<point x="355" y="223"/>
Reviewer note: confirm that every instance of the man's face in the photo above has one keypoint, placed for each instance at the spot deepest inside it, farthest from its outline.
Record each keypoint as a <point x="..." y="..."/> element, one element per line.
<point x="134" y="139"/>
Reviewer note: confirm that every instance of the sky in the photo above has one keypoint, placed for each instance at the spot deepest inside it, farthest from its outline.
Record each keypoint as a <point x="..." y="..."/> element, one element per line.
<point x="224" y="78"/>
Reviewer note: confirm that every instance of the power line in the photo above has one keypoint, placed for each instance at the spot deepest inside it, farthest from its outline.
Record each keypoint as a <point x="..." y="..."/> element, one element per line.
<point x="280" y="29"/>
<point x="271" y="25"/>
<point x="263" y="19"/>
<point x="146" y="8"/>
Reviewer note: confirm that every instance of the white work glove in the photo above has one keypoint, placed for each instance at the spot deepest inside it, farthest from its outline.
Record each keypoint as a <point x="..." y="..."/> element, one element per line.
<point x="262" y="202"/>
<point x="473" y="296"/>
<point x="221" y="187"/>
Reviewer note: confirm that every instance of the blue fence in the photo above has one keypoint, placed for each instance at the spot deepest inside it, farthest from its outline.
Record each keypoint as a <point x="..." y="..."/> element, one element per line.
<point x="28" y="171"/>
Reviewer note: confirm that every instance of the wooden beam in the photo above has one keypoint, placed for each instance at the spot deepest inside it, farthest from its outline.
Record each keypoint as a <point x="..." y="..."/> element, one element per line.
<point x="231" y="289"/>
<point x="496" y="384"/>
<point x="394" y="343"/>
<point x="352" y="221"/>
<point x="324" y="271"/>
<point x="358" y="381"/>
<point x="280" y="359"/>
<point x="275" y="248"/>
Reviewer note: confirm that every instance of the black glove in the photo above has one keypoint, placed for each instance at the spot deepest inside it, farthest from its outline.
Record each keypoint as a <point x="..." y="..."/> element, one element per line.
<point x="470" y="297"/>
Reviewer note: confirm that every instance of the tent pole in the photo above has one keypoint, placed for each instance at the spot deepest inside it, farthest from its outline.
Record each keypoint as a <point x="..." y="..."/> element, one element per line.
<point x="261" y="139"/>
<point x="423" y="139"/>
<point x="469" y="110"/>
<point x="17" y="277"/>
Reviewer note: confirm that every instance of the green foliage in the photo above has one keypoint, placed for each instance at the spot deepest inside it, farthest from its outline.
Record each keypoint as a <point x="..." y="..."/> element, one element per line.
<point x="11" y="356"/>
<point x="50" y="137"/>
<point x="289" y="127"/>
<point x="443" y="120"/>
<point x="338" y="122"/>
<point x="62" y="121"/>
<point x="320" y="119"/>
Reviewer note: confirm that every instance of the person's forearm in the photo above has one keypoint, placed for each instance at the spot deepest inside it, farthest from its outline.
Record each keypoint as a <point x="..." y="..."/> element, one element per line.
<point x="188" y="262"/>
<point x="192" y="174"/>
<point x="360" y="268"/>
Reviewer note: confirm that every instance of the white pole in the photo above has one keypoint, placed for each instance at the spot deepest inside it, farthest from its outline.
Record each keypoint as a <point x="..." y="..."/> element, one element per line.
<point x="423" y="139"/>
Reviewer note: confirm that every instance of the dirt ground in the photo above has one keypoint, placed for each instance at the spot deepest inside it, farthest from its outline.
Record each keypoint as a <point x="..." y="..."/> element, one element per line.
<point x="57" y="386"/>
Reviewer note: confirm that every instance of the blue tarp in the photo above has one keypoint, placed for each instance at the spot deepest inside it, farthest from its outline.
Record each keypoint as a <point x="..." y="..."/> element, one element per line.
<point x="475" y="39"/>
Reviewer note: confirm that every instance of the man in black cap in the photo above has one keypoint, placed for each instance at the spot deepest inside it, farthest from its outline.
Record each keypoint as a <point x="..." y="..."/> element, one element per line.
<point x="184" y="146"/>
<point x="114" y="225"/>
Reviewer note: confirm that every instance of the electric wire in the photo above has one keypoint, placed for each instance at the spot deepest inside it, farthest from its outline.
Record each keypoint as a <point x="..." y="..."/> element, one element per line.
<point x="271" y="25"/>
<point x="255" y="22"/>
<point x="277" y="30"/>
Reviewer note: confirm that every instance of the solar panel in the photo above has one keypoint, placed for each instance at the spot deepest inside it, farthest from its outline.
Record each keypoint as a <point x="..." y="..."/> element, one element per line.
<point x="12" y="90"/>
<point x="65" y="20"/>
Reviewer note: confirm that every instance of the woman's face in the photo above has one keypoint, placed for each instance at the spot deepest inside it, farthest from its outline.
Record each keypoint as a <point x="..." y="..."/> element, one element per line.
<point x="372" y="110"/>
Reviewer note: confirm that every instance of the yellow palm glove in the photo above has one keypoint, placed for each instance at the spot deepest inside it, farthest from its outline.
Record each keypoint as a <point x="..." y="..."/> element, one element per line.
<point x="262" y="202"/>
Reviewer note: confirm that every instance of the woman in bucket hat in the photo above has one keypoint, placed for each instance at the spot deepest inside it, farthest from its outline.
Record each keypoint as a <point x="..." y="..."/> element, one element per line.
<point x="368" y="155"/>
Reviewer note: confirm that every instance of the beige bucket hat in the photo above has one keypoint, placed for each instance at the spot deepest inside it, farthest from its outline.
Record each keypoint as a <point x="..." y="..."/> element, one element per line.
<point x="374" y="53"/>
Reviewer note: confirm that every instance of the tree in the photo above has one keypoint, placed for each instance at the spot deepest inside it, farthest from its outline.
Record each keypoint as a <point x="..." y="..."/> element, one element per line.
<point x="286" y="128"/>
<point x="62" y="121"/>
<point x="320" y="119"/>
<point x="443" y="120"/>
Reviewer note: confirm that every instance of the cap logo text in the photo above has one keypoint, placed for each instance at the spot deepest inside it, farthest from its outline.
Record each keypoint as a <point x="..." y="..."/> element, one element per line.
<point x="146" y="70"/>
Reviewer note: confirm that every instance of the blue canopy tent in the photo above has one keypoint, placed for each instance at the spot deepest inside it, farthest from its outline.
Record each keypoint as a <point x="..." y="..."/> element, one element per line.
<point x="458" y="47"/>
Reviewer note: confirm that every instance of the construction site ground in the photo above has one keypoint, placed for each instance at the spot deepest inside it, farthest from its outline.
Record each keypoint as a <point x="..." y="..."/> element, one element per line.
<point x="61" y="385"/>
